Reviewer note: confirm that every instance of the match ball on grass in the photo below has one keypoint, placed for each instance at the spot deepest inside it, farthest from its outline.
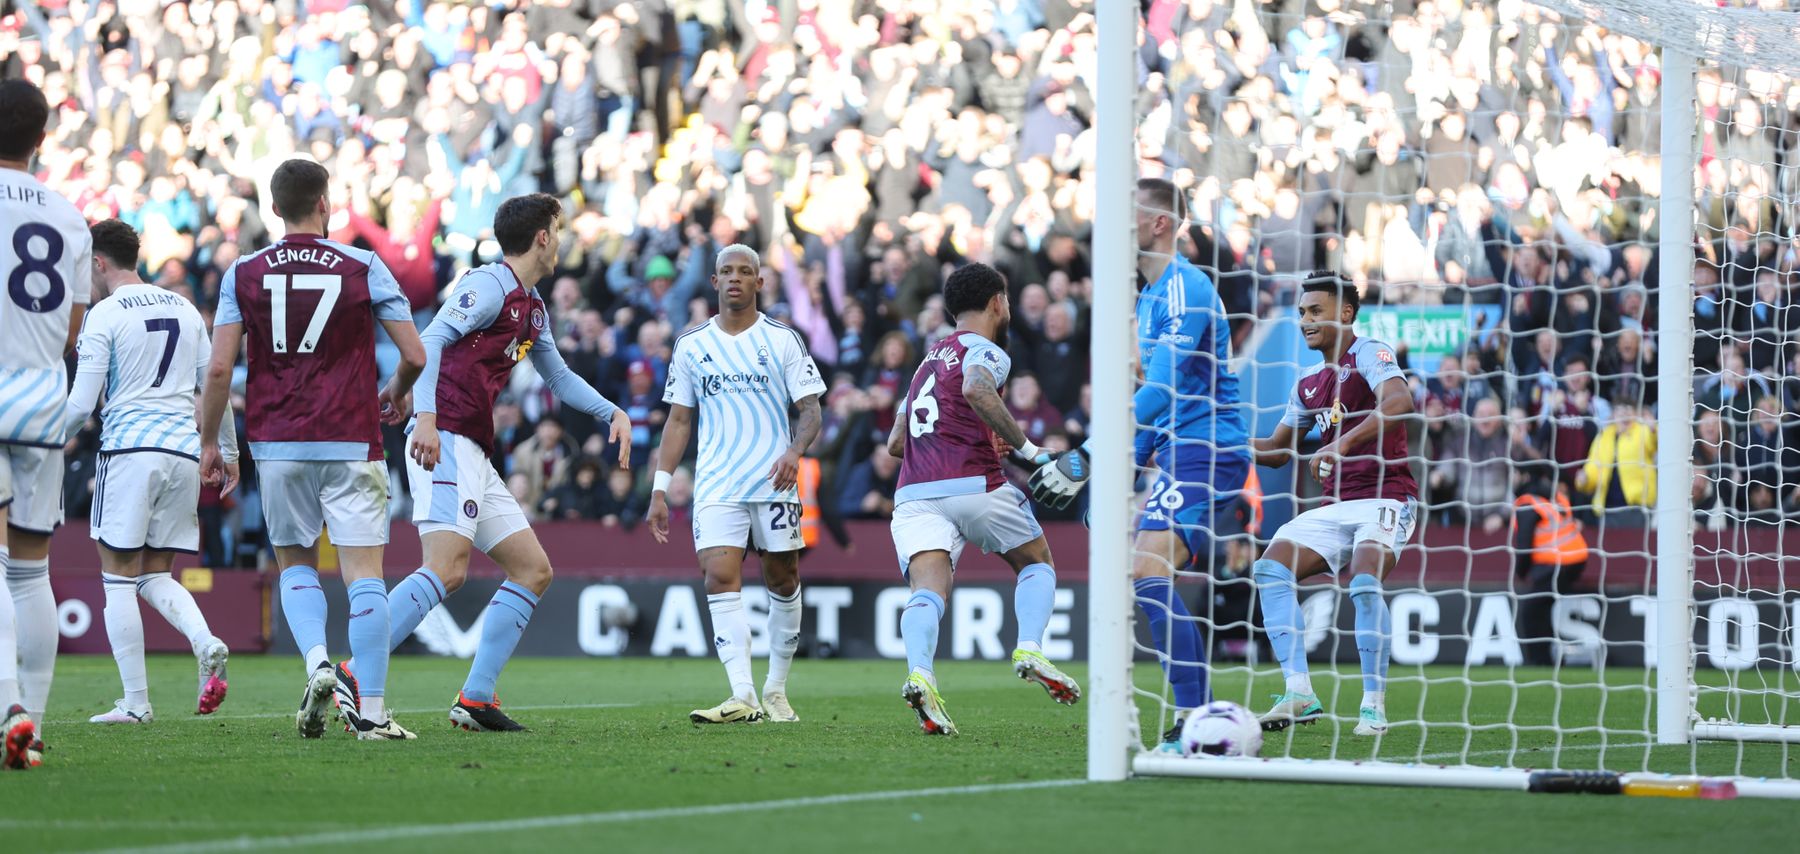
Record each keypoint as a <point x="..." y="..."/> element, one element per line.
<point x="1221" y="728"/>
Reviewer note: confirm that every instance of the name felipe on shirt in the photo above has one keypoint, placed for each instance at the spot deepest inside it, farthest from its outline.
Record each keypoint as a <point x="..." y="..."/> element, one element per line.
<point x="304" y="255"/>
<point x="10" y="193"/>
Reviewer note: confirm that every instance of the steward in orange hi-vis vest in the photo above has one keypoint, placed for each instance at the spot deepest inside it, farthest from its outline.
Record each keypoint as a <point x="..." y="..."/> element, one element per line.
<point x="1549" y="554"/>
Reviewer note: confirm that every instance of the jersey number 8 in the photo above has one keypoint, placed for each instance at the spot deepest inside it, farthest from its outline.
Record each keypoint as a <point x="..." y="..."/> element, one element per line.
<point x="43" y="265"/>
<point x="277" y="286"/>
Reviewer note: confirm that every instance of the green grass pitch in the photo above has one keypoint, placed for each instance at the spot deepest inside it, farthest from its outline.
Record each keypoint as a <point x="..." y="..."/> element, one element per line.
<point x="613" y="765"/>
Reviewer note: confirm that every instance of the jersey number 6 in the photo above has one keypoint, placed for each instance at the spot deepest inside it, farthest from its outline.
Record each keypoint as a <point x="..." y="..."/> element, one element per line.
<point x="922" y="414"/>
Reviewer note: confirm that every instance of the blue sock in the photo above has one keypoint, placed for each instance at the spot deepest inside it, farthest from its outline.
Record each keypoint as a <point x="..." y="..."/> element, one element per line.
<point x="369" y="635"/>
<point x="1281" y="615"/>
<point x="919" y="628"/>
<point x="1034" y="597"/>
<point x="1374" y="628"/>
<point x="410" y="601"/>
<point x="1178" y="640"/>
<point x="303" y="604"/>
<point x="508" y="613"/>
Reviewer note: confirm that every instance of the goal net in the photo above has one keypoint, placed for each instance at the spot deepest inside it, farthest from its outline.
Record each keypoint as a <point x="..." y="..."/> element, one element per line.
<point x="1596" y="318"/>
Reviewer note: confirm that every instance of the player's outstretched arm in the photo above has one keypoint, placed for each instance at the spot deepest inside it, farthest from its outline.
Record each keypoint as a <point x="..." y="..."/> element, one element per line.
<point x="572" y="390"/>
<point x="1278" y="449"/>
<point x="983" y="395"/>
<point x="676" y="432"/>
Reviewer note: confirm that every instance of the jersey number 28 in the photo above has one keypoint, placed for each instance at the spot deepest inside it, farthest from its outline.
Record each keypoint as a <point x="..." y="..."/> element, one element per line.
<point x="329" y="288"/>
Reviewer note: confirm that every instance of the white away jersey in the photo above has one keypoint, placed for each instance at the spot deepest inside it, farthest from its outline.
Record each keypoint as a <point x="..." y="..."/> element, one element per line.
<point x="741" y="387"/>
<point x="151" y="345"/>
<point x="46" y="266"/>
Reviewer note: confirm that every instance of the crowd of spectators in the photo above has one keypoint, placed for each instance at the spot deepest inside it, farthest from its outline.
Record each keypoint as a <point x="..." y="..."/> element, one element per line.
<point x="1439" y="152"/>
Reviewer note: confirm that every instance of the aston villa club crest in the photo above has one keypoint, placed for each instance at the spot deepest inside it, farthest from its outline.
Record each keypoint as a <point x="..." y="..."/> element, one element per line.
<point x="1343" y="373"/>
<point x="537" y="318"/>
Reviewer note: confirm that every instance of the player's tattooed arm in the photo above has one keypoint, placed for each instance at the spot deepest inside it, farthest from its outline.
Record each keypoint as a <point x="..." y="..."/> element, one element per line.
<point x="786" y="471"/>
<point x="984" y="397"/>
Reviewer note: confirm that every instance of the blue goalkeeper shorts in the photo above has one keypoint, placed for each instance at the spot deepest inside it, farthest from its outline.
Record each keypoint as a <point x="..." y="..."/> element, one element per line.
<point x="1198" y="500"/>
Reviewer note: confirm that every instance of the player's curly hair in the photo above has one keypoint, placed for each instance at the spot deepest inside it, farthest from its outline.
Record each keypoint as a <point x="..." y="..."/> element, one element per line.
<point x="519" y="219"/>
<point x="1334" y="283"/>
<point x="971" y="287"/>
<point x="24" y="113"/>
<point x="116" y="242"/>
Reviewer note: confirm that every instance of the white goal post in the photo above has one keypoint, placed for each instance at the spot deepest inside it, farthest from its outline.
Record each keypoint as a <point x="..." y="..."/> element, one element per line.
<point x="1685" y="713"/>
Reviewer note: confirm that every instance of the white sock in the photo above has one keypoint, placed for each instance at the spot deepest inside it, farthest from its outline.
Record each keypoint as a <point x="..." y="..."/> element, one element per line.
<point x="1030" y="646"/>
<point x="315" y="657"/>
<point x="926" y="675"/>
<point x="34" y="608"/>
<point x="1375" y="700"/>
<point x="731" y="637"/>
<point x="176" y="605"/>
<point x="9" y="649"/>
<point x="372" y="709"/>
<point x="784" y="640"/>
<point x="125" y="631"/>
<point x="1300" y="683"/>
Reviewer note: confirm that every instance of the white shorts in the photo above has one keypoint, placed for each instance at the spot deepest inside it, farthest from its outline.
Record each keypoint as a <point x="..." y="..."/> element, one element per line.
<point x="767" y="526"/>
<point x="31" y="487"/>
<point x="463" y="494"/>
<point x="997" y="521"/>
<point x="1334" y="530"/>
<point x="146" y="499"/>
<point x="302" y="497"/>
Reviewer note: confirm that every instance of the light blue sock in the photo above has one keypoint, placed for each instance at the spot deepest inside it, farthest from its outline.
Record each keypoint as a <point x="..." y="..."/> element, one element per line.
<point x="1374" y="629"/>
<point x="1281" y="615"/>
<point x="303" y="604"/>
<point x="1034" y="597"/>
<point x="410" y="601"/>
<point x="1177" y="638"/>
<point x="508" y="613"/>
<point x="369" y="634"/>
<point x="919" y="628"/>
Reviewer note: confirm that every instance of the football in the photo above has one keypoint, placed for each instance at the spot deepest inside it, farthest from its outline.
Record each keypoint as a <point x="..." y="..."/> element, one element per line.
<point x="1221" y="728"/>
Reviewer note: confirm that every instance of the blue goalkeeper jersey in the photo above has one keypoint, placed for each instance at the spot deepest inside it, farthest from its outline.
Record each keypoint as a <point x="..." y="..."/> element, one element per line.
<point x="1187" y="408"/>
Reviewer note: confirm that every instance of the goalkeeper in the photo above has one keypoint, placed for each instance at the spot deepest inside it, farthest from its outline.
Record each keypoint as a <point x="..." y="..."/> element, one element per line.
<point x="1188" y="423"/>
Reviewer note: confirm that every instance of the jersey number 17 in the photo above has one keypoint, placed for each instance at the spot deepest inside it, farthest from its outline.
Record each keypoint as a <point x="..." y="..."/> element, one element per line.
<point x="329" y="288"/>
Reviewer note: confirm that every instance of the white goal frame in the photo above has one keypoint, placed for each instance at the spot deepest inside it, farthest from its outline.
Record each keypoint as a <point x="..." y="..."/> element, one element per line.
<point x="1114" y="747"/>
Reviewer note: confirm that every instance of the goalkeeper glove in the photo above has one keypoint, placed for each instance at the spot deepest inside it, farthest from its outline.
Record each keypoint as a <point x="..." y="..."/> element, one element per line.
<point x="1056" y="483"/>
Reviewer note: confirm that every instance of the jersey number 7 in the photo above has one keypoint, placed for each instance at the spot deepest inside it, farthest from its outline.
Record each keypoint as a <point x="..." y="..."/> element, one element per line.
<point x="277" y="286"/>
<point x="172" y="328"/>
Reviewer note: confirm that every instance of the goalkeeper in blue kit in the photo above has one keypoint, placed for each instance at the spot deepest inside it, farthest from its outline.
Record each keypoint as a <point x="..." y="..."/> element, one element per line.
<point x="1188" y="425"/>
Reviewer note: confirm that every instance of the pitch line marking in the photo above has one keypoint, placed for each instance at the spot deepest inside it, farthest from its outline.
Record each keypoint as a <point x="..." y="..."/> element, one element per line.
<point x="419" y="711"/>
<point x="366" y="836"/>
